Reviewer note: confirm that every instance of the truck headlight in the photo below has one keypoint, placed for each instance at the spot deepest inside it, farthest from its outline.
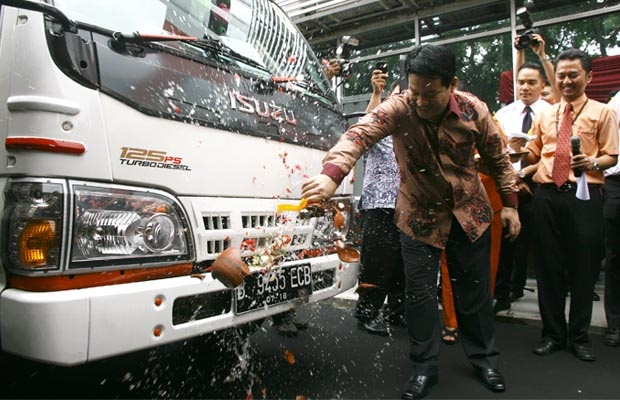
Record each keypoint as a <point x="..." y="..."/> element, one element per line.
<point x="54" y="225"/>
<point x="127" y="226"/>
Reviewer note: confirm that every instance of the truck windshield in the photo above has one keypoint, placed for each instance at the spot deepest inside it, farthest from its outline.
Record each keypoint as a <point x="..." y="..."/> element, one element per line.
<point x="257" y="29"/>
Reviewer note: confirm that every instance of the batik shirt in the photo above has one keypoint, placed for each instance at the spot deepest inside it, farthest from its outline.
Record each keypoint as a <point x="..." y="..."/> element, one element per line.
<point x="381" y="179"/>
<point x="438" y="171"/>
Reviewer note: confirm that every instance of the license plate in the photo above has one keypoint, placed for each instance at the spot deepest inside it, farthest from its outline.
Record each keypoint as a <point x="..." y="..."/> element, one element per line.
<point x="279" y="285"/>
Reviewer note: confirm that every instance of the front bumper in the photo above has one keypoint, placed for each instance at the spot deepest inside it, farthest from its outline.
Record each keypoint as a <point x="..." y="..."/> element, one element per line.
<point x="77" y="326"/>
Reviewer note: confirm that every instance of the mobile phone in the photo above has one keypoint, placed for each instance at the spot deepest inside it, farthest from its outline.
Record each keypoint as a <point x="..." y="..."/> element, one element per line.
<point x="382" y="65"/>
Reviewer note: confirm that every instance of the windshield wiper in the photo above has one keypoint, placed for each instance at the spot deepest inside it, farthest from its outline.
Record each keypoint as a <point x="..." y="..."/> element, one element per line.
<point x="137" y="37"/>
<point x="215" y="44"/>
<point x="307" y="85"/>
<point x="206" y="43"/>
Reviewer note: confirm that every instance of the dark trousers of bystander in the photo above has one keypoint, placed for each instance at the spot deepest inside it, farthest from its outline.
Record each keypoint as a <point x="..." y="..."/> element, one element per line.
<point x="568" y="240"/>
<point x="513" y="259"/>
<point x="381" y="264"/>
<point x="469" y="269"/>
<point x="611" y="212"/>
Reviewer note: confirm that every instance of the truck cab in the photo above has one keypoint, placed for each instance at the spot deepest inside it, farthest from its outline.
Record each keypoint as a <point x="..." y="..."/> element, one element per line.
<point x="143" y="139"/>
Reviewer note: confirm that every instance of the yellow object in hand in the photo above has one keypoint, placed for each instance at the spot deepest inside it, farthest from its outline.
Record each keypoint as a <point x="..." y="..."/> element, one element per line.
<point x="292" y="207"/>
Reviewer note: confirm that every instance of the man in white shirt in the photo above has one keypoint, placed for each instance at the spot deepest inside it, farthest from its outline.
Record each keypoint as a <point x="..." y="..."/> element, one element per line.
<point x="515" y="120"/>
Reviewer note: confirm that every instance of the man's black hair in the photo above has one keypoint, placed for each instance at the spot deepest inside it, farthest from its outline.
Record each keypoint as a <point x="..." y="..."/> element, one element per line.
<point x="432" y="61"/>
<point x="576" y="54"/>
<point x="536" y="66"/>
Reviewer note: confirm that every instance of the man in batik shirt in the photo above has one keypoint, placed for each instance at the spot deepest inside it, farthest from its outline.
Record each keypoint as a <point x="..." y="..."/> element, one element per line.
<point x="441" y="203"/>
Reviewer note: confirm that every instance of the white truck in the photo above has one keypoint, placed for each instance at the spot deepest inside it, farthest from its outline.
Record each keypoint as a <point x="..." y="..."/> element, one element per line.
<point x="141" y="139"/>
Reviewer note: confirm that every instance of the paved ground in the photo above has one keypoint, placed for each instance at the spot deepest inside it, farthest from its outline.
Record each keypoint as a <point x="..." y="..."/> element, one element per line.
<point x="333" y="359"/>
<point x="526" y="308"/>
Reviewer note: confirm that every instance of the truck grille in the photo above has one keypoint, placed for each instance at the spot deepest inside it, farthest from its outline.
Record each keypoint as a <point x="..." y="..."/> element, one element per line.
<point x="256" y="232"/>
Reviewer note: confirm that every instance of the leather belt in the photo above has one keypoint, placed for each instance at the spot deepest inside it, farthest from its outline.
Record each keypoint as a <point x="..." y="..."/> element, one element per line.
<point x="567" y="187"/>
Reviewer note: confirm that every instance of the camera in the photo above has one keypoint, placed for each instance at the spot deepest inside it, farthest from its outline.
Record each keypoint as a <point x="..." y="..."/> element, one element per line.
<point x="382" y="65"/>
<point x="526" y="39"/>
<point x="343" y="53"/>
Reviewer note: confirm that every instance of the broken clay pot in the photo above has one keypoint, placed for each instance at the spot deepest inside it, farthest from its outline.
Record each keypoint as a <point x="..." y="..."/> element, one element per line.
<point x="348" y="254"/>
<point x="229" y="269"/>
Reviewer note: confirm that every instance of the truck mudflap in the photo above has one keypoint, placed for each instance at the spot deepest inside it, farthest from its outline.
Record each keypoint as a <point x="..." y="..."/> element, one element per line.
<point x="77" y="326"/>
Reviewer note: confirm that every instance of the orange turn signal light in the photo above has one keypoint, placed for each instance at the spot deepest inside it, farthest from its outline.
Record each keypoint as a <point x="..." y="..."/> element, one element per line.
<point x="35" y="242"/>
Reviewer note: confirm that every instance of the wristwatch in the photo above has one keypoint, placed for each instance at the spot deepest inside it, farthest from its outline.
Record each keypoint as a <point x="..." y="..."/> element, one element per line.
<point x="546" y="58"/>
<point x="595" y="166"/>
<point x="522" y="173"/>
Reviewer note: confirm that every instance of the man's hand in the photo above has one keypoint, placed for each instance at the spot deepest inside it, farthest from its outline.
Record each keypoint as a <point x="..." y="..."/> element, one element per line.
<point x="510" y="222"/>
<point x="538" y="45"/>
<point x="318" y="188"/>
<point x="517" y="144"/>
<point x="582" y="162"/>
<point x="378" y="80"/>
<point x="332" y="68"/>
<point x="515" y="43"/>
<point x="524" y="188"/>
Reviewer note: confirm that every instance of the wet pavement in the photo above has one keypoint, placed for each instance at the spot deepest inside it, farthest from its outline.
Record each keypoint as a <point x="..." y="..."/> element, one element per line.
<point x="332" y="359"/>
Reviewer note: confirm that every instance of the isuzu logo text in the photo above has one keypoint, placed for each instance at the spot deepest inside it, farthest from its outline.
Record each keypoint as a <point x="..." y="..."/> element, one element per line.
<point x="250" y="105"/>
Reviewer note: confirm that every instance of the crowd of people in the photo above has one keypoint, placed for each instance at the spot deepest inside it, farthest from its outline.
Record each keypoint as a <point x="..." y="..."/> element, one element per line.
<point x="441" y="171"/>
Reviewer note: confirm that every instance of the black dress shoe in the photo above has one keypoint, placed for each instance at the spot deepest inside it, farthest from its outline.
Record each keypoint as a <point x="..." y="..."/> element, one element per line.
<point x="516" y="295"/>
<point x="418" y="386"/>
<point x="362" y="315"/>
<point x="376" y="326"/>
<point x="397" y="320"/>
<point x="500" y="305"/>
<point x="546" y="347"/>
<point x="492" y="379"/>
<point x="612" y="337"/>
<point x="583" y="352"/>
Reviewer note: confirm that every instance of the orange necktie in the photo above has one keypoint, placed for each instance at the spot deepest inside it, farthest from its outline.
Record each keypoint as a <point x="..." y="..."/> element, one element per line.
<point x="561" y="164"/>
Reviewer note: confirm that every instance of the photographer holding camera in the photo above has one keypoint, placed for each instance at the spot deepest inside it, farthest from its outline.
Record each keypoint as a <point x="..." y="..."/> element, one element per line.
<point x="537" y="44"/>
<point x="332" y="68"/>
<point x="531" y="38"/>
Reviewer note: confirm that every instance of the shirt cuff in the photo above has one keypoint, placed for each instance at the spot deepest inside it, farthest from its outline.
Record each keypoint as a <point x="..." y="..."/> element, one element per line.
<point x="334" y="172"/>
<point x="509" y="199"/>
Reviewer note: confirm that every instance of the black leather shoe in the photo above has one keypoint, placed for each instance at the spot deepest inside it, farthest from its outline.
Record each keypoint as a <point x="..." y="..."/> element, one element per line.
<point x="492" y="379"/>
<point x="500" y="305"/>
<point x="583" y="352"/>
<point x="397" y="320"/>
<point x="546" y="347"/>
<point x="418" y="386"/>
<point x="516" y="295"/>
<point x="612" y="337"/>
<point x="377" y="326"/>
<point x="362" y="315"/>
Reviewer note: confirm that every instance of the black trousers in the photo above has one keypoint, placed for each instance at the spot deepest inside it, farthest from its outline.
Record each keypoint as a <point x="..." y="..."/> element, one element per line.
<point x="568" y="236"/>
<point x="381" y="263"/>
<point x="611" y="213"/>
<point x="469" y="268"/>
<point x="513" y="259"/>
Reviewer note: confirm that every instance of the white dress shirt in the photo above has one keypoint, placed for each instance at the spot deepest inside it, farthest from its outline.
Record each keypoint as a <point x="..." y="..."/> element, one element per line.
<point x="510" y="119"/>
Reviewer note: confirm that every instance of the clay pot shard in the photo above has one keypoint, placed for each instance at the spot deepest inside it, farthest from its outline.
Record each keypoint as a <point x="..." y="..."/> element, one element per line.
<point x="348" y="254"/>
<point x="338" y="218"/>
<point x="364" y="288"/>
<point x="229" y="269"/>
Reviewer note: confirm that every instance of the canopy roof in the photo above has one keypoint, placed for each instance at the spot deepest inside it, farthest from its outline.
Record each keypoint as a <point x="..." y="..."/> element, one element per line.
<point x="380" y="22"/>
